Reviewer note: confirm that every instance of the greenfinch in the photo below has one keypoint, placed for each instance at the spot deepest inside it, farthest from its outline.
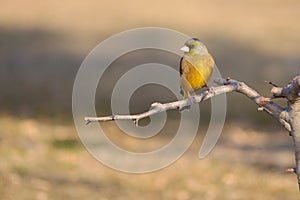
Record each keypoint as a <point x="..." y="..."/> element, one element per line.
<point x="196" y="67"/>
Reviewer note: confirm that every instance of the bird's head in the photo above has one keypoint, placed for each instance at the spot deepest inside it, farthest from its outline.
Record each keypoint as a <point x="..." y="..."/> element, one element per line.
<point x="194" y="47"/>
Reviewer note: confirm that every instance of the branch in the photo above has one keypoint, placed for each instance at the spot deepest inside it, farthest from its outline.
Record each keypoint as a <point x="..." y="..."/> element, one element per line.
<point x="273" y="109"/>
<point x="288" y="117"/>
<point x="158" y="107"/>
<point x="227" y="85"/>
<point x="292" y="93"/>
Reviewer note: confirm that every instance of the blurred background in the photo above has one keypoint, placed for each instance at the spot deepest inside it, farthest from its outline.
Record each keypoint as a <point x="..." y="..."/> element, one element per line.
<point x="42" y="44"/>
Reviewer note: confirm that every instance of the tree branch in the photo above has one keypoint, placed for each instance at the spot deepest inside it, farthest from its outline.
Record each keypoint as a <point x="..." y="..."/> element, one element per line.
<point x="292" y="93"/>
<point x="158" y="107"/>
<point x="273" y="109"/>
<point x="288" y="117"/>
<point x="227" y="85"/>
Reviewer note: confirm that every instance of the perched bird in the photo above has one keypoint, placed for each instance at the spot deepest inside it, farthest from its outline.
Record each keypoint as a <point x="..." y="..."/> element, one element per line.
<point x="196" y="67"/>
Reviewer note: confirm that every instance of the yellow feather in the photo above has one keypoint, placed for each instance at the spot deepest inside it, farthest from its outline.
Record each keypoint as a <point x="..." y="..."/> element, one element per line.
<point x="196" y="72"/>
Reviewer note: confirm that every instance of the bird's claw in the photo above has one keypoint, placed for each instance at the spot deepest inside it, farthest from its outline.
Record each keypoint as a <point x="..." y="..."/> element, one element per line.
<point x="211" y="89"/>
<point x="190" y="101"/>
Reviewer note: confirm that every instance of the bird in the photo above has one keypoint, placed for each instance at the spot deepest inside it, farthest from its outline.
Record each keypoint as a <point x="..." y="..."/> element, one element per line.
<point x="196" y="68"/>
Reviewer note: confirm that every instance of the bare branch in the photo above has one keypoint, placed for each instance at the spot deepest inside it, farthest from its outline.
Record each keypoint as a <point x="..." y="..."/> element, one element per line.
<point x="292" y="116"/>
<point x="158" y="107"/>
<point x="271" y="83"/>
<point x="289" y="117"/>
<point x="292" y="93"/>
<point x="227" y="85"/>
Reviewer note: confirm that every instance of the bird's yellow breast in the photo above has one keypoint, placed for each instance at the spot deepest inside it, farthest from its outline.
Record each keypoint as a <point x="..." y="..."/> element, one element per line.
<point x="197" y="72"/>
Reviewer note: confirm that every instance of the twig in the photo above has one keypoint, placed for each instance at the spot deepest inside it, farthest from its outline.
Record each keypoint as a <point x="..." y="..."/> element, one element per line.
<point x="271" y="83"/>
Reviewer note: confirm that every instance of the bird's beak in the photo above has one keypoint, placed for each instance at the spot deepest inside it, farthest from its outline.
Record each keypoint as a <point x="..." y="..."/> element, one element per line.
<point x="185" y="49"/>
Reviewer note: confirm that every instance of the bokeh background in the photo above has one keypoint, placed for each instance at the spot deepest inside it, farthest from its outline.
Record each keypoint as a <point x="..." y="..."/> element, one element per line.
<point x="42" y="44"/>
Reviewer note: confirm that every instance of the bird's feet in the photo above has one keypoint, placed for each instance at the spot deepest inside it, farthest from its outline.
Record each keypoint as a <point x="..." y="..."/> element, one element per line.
<point x="190" y="101"/>
<point x="211" y="89"/>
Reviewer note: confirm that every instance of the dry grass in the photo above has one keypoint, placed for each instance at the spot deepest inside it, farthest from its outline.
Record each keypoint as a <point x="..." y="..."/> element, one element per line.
<point x="41" y="161"/>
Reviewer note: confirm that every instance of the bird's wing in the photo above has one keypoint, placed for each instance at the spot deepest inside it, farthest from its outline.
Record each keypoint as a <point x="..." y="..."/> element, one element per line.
<point x="180" y="66"/>
<point x="180" y="72"/>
